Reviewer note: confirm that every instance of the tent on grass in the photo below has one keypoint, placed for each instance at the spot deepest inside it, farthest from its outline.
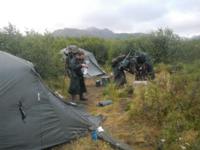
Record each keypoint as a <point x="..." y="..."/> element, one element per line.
<point x="31" y="116"/>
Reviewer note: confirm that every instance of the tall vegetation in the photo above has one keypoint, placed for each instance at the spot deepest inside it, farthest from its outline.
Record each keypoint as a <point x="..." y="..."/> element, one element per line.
<point x="43" y="49"/>
<point x="171" y="105"/>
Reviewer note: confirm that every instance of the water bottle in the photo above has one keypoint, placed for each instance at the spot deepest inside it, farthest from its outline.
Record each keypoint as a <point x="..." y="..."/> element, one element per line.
<point x="94" y="135"/>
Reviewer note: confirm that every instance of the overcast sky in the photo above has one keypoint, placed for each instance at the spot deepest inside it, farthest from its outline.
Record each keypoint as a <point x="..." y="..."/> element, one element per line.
<point x="182" y="16"/>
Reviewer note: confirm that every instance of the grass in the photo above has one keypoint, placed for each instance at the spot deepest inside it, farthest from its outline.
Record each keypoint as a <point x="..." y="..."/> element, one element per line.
<point x="59" y="85"/>
<point x="84" y="143"/>
<point x="167" y="109"/>
<point x="171" y="105"/>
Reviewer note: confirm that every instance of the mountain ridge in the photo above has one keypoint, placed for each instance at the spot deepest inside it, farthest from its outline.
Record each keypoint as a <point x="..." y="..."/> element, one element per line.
<point x="94" y="32"/>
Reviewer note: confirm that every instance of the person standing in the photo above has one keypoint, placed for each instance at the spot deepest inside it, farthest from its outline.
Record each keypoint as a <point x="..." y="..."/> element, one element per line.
<point x="77" y="83"/>
<point x="144" y="70"/>
<point x="118" y="70"/>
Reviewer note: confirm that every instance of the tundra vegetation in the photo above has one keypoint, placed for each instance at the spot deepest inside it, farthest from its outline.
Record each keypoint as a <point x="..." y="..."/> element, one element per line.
<point x="164" y="114"/>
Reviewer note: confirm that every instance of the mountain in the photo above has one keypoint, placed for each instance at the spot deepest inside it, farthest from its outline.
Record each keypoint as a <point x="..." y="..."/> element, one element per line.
<point x="93" y="32"/>
<point x="196" y="37"/>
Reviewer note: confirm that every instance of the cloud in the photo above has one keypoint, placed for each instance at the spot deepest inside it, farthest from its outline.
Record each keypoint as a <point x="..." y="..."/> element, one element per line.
<point x="145" y="16"/>
<point x="143" y="12"/>
<point x="127" y="16"/>
<point x="118" y="15"/>
<point x="185" y="5"/>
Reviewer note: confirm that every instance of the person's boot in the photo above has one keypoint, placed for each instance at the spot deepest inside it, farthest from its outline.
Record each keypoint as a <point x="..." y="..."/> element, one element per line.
<point x="82" y="98"/>
<point x="73" y="98"/>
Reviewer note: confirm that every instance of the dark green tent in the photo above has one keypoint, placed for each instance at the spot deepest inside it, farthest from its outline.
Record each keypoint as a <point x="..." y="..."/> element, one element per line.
<point x="31" y="116"/>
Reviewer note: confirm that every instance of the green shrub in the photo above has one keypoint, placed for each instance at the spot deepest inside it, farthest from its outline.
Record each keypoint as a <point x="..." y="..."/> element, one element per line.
<point x="171" y="102"/>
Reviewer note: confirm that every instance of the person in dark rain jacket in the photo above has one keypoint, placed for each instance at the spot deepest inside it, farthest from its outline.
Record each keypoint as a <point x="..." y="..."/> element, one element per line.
<point x="77" y="83"/>
<point x="118" y="70"/>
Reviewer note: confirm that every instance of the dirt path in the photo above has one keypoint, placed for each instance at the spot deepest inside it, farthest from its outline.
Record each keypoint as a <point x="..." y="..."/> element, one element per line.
<point x="113" y="113"/>
<point x="116" y="123"/>
<point x="94" y="94"/>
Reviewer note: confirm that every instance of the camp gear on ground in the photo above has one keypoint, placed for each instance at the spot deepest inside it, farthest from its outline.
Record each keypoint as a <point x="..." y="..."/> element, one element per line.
<point x="100" y="129"/>
<point x="104" y="103"/>
<point x="94" y="135"/>
<point x="139" y="83"/>
<point x="98" y="83"/>
<point x="105" y="80"/>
